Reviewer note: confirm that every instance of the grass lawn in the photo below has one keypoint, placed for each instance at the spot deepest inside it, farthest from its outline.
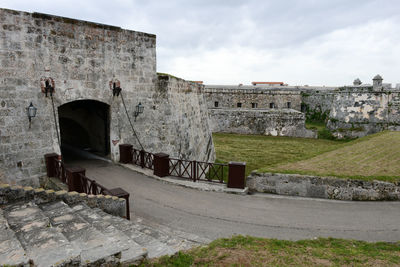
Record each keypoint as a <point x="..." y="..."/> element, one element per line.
<point x="373" y="157"/>
<point x="267" y="151"/>
<point x="251" y="251"/>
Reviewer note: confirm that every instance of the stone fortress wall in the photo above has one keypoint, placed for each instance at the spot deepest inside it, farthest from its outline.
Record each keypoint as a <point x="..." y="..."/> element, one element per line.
<point x="317" y="102"/>
<point x="263" y="97"/>
<point x="359" y="110"/>
<point x="349" y="111"/>
<point x="82" y="58"/>
<point x="274" y="122"/>
<point x="263" y="110"/>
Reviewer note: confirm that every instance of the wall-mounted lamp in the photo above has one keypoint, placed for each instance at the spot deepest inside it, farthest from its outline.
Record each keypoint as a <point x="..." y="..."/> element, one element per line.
<point x="116" y="89"/>
<point x="31" y="112"/>
<point x="138" y="110"/>
<point x="47" y="85"/>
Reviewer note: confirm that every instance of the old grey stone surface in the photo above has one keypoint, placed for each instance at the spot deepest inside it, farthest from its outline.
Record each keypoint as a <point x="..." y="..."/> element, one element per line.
<point x="56" y="234"/>
<point x="228" y="96"/>
<point x="349" y="111"/>
<point x="357" y="112"/>
<point x="265" y="110"/>
<point x="15" y="194"/>
<point x="322" y="187"/>
<point x="274" y="122"/>
<point x="82" y="58"/>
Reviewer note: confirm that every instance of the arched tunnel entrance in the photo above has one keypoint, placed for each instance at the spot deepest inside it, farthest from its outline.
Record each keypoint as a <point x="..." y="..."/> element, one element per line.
<point x="84" y="126"/>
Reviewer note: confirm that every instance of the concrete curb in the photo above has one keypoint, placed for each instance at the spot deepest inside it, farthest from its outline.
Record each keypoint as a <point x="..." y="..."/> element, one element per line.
<point x="201" y="185"/>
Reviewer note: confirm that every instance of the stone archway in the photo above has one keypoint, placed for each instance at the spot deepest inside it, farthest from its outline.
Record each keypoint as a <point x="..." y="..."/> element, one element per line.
<point x="85" y="125"/>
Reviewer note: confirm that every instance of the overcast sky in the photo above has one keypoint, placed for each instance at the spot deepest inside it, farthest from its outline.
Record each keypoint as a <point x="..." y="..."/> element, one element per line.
<point x="315" y="42"/>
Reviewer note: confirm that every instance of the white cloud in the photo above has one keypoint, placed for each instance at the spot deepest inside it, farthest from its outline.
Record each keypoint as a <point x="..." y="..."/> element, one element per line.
<point x="335" y="58"/>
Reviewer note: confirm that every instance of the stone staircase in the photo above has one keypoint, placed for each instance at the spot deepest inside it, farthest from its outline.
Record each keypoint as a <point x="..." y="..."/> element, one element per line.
<point x="58" y="234"/>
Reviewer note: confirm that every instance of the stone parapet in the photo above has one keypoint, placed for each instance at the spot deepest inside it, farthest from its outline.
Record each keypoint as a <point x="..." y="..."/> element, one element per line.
<point x="274" y="122"/>
<point x="322" y="187"/>
<point x="110" y="204"/>
<point x="227" y="97"/>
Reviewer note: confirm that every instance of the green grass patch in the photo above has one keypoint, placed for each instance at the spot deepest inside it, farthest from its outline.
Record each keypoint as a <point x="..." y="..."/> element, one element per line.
<point x="251" y="251"/>
<point x="260" y="151"/>
<point x="375" y="157"/>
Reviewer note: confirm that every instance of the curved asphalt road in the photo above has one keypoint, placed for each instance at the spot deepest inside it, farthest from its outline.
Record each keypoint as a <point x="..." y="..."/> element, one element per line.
<point x="213" y="215"/>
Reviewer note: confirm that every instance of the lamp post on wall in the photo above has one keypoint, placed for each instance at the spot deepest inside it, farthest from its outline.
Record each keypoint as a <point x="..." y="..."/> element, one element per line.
<point x="48" y="86"/>
<point x="31" y="112"/>
<point x="138" y="110"/>
<point x="115" y="87"/>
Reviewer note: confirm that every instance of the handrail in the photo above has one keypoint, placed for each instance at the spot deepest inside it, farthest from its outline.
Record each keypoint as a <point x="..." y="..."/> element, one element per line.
<point x="78" y="181"/>
<point x="90" y="186"/>
<point x="191" y="169"/>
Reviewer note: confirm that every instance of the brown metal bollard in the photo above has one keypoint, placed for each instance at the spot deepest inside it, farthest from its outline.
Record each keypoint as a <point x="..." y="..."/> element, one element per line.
<point x="236" y="175"/>
<point x="51" y="164"/>
<point x="119" y="192"/>
<point x="125" y="153"/>
<point x="74" y="180"/>
<point x="161" y="164"/>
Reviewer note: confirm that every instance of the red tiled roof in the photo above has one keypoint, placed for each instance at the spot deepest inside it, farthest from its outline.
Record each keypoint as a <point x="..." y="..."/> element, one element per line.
<point x="200" y="82"/>
<point x="254" y="83"/>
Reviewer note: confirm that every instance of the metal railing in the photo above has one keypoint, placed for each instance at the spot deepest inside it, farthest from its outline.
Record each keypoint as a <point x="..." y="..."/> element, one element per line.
<point x="233" y="173"/>
<point x="182" y="168"/>
<point x="210" y="171"/>
<point x="148" y="160"/>
<point x="90" y="186"/>
<point x="76" y="180"/>
<point x="197" y="170"/>
<point x="143" y="158"/>
<point x="136" y="159"/>
<point x="190" y="169"/>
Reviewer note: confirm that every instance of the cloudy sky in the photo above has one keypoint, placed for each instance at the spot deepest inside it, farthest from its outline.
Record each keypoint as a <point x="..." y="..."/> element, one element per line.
<point x="315" y="42"/>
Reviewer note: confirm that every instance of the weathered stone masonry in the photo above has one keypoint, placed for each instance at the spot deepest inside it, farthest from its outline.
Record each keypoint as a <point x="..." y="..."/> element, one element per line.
<point x="322" y="187"/>
<point x="278" y="122"/>
<point x="229" y="96"/>
<point x="82" y="58"/>
<point x="256" y="110"/>
<point x="349" y="111"/>
<point x="356" y="112"/>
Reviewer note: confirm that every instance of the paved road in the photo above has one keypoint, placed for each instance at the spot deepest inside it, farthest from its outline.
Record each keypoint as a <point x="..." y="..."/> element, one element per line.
<point x="213" y="215"/>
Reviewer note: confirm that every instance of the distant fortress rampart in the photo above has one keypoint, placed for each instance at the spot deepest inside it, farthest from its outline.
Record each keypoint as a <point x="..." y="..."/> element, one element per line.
<point x="349" y="111"/>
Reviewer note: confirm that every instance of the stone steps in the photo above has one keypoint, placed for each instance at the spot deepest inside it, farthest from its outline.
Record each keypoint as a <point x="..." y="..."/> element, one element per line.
<point x="149" y="239"/>
<point x="56" y="234"/>
<point x="11" y="250"/>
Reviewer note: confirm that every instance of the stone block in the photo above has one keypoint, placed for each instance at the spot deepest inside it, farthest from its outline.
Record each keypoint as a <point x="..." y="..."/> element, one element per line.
<point x="322" y="187"/>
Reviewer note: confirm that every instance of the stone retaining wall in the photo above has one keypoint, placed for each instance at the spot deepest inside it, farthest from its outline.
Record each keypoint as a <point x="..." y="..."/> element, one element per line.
<point x="322" y="187"/>
<point x="278" y="122"/>
<point x="110" y="204"/>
